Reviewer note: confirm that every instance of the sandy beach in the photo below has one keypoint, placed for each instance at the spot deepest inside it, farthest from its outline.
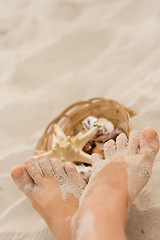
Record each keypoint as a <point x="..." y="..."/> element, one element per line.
<point x="54" y="53"/>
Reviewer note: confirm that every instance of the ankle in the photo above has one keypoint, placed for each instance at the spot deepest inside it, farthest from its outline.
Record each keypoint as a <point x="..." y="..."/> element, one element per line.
<point x="106" y="191"/>
<point x="110" y="208"/>
<point x="113" y="200"/>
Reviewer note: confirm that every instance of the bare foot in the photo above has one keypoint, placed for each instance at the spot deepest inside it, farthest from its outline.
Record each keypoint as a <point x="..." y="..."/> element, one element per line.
<point x="53" y="188"/>
<point x="114" y="184"/>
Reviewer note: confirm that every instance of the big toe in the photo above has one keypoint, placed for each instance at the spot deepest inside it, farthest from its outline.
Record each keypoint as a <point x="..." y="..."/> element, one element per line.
<point x="150" y="134"/>
<point x="17" y="172"/>
<point x="22" y="179"/>
<point x="150" y="143"/>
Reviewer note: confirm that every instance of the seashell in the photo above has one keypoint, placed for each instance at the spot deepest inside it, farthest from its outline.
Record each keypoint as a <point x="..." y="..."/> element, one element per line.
<point x="104" y="126"/>
<point x="107" y="136"/>
<point x="109" y="126"/>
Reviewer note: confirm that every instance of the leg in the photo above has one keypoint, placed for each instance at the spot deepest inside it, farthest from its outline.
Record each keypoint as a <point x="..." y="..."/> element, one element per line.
<point x="109" y="194"/>
<point x="43" y="183"/>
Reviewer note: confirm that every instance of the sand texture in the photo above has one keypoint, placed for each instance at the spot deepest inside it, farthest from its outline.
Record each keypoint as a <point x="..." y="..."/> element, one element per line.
<point x="56" y="52"/>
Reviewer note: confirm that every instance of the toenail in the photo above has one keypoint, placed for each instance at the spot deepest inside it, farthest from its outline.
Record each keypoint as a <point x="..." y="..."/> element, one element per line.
<point x="16" y="173"/>
<point x="150" y="133"/>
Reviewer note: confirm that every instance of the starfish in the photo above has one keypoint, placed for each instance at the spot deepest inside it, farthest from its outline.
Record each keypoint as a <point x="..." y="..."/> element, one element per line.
<point x="69" y="149"/>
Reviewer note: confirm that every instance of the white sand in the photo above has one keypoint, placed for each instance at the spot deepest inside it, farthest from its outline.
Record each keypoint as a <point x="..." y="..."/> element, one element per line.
<point x="53" y="53"/>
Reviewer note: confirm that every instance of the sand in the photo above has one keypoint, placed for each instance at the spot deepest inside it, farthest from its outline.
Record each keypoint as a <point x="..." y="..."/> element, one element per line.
<point x="53" y="53"/>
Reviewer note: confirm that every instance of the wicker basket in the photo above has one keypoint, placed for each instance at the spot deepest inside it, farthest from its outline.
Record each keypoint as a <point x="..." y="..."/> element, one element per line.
<point x="71" y="118"/>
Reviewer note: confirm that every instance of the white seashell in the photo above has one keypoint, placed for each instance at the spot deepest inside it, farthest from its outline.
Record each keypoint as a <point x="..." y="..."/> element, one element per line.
<point x="103" y="124"/>
<point x="108" y="124"/>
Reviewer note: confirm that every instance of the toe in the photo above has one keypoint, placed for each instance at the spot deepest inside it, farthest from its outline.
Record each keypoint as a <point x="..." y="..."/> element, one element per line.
<point x="97" y="164"/>
<point x="73" y="175"/>
<point x="110" y="150"/>
<point x="70" y="169"/>
<point x="45" y="166"/>
<point x="23" y="180"/>
<point x="59" y="173"/>
<point x="95" y="159"/>
<point x="121" y="142"/>
<point x="150" y="144"/>
<point x="33" y="169"/>
<point x="135" y="140"/>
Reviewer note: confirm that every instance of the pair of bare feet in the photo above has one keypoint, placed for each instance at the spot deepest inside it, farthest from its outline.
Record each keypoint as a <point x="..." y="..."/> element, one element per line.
<point x="114" y="184"/>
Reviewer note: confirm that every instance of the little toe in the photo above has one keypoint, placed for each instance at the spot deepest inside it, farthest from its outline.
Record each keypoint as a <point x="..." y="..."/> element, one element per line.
<point x="121" y="142"/>
<point x="33" y="169"/>
<point x="95" y="159"/>
<point x="45" y="166"/>
<point x="58" y="170"/>
<point x="150" y="143"/>
<point x="135" y="140"/>
<point x="110" y="150"/>
<point x="23" y="180"/>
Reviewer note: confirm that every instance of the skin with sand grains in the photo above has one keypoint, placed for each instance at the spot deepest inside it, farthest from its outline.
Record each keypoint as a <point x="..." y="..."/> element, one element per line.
<point x="106" y="200"/>
<point x="43" y="183"/>
<point x="53" y="188"/>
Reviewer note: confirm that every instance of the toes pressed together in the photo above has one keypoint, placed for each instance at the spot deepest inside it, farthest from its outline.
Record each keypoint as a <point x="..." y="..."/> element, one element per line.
<point x="35" y="173"/>
<point x="143" y="143"/>
<point x="139" y="153"/>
